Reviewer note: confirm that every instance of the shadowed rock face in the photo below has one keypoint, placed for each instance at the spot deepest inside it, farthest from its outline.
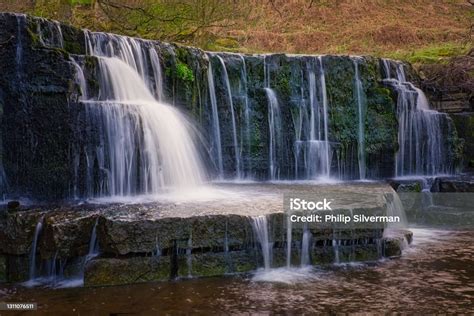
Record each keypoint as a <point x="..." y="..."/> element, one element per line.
<point x="179" y="238"/>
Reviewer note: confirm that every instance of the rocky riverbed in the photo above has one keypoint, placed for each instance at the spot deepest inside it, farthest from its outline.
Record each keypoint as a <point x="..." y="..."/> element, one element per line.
<point x="153" y="238"/>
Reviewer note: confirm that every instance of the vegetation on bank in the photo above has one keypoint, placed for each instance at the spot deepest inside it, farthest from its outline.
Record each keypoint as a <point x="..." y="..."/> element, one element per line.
<point x="420" y="31"/>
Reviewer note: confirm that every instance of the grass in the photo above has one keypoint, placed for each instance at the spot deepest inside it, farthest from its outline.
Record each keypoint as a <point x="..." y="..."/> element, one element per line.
<point x="419" y="31"/>
<point x="431" y="54"/>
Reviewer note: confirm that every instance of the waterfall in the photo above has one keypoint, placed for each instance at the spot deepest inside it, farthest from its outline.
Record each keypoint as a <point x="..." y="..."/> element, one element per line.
<point x="260" y="227"/>
<point x="422" y="146"/>
<point x="149" y="145"/>
<point x="288" y="241"/>
<point x="274" y="126"/>
<point x="60" y="34"/>
<point x="335" y="247"/>
<point x="327" y="166"/>
<point x="80" y="79"/>
<point x="93" y="243"/>
<point x="361" y="104"/>
<point x="232" y="113"/>
<point x="305" y="246"/>
<point x="158" y="77"/>
<point x="426" y="191"/>
<point x="394" y="207"/>
<point x="215" y="121"/>
<point x="20" y="20"/>
<point x="246" y="131"/>
<point x="33" y="249"/>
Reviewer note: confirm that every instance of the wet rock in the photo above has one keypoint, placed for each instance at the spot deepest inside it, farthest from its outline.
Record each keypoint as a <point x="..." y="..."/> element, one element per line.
<point x="455" y="184"/>
<point x="3" y="269"/>
<point x="13" y="206"/>
<point x="100" y="272"/>
<point x="19" y="232"/>
<point x="66" y="234"/>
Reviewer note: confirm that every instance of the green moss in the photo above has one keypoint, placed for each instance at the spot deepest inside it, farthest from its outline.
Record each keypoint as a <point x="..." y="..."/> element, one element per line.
<point x="184" y="73"/>
<point x="282" y="83"/>
<point x="431" y="54"/>
<point x="73" y="47"/>
<point x="33" y="36"/>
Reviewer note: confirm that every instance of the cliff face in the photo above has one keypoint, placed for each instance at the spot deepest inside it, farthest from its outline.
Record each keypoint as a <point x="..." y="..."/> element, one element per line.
<point x="53" y="138"/>
<point x="37" y="85"/>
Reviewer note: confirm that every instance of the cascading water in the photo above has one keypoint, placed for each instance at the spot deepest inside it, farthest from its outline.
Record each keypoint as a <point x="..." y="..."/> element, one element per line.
<point x="232" y="113"/>
<point x="423" y="148"/>
<point x="305" y="246"/>
<point x="158" y="78"/>
<point x="245" y="137"/>
<point x="359" y="91"/>
<point x="93" y="243"/>
<point x="215" y="121"/>
<point x="274" y="125"/>
<point x="327" y="166"/>
<point x="311" y="125"/>
<point x="260" y="227"/>
<point x="33" y="249"/>
<point x="146" y="146"/>
<point x="289" y="236"/>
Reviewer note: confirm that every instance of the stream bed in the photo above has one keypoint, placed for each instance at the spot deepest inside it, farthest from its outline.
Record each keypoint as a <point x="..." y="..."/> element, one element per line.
<point x="435" y="274"/>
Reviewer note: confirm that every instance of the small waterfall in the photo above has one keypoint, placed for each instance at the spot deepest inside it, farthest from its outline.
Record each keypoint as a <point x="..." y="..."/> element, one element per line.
<point x="306" y="246"/>
<point x="93" y="243"/>
<point x="395" y="208"/>
<point x="60" y="34"/>
<point x="361" y="104"/>
<point x="260" y="227"/>
<point x="423" y="149"/>
<point x="158" y="77"/>
<point x="234" y="126"/>
<point x="335" y="247"/>
<point x="274" y="125"/>
<point x="288" y="241"/>
<point x="311" y="125"/>
<point x="80" y="79"/>
<point x="33" y="249"/>
<point x="20" y="20"/>
<point x="427" y="197"/>
<point x="53" y="36"/>
<point x="157" y="251"/>
<point x="146" y="146"/>
<point x="245" y="143"/>
<point x="326" y="149"/>
<point x="215" y="121"/>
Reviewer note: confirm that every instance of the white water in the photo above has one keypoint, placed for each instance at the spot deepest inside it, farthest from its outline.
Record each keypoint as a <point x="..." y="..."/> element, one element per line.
<point x="422" y="147"/>
<point x="260" y="226"/>
<point x="327" y="170"/>
<point x="149" y="145"/>
<point x="93" y="243"/>
<point x="305" y="246"/>
<point x="33" y="249"/>
<point x="215" y="121"/>
<point x="361" y="121"/>
<point x="274" y="125"/>
<point x="395" y="208"/>
<point x="158" y="77"/>
<point x="80" y="80"/>
<point x="246" y="133"/>
<point x="234" y="126"/>
<point x="288" y="241"/>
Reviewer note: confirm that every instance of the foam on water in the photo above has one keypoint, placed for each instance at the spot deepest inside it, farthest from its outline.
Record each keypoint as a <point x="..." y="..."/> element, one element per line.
<point x="285" y="275"/>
